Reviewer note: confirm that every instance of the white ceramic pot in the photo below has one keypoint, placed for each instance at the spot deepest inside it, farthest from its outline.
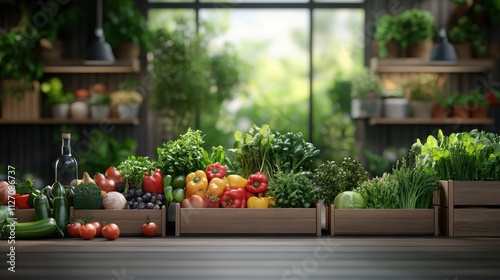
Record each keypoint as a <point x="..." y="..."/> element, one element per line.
<point x="60" y="111"/>
<point x="128" y="111"/>
<point x="99" y="111"/>
<point x="366" y="108"/>
<point x="396" y="108"/>
<point x="79" y="110"/>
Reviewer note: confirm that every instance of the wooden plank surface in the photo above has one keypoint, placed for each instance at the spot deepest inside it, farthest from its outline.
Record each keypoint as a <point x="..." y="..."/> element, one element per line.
<point x="383" y="222"/>
<point x="229" y="258"/>
<point x="248" y="221"/>
<point x="476" y="222"/>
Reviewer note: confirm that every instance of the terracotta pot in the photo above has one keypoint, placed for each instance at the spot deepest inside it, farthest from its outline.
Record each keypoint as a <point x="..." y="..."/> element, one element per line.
<point x="128" y="50"/>
<point x="421" y="50"/>
<point x="460" y="111"/>
<point x="463" y="50"/>
<point x="393" y="49"/>
<point x="439" y="112"/>
<point x="478" y="112"/>
<point x="54" y="53"/>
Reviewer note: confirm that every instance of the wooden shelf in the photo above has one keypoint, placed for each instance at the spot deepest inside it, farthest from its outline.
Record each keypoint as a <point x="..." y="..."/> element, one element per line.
<point x="81" y="66"/>
<point x="412" y="65"/>
<point x="429" y="121"/>
<point x="52" y="121"/>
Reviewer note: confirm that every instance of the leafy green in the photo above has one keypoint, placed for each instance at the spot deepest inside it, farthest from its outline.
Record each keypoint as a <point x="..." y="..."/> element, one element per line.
<point x="87" y="196"/>
<point x="133" y="168"/>
<point x="25" y="187"/>
<point x="260" y="149"/>
<point x="333" y="179"/>
<point x="380" y="193"/>
<point x="292" y="190"/>
<point x="186" y="154"/>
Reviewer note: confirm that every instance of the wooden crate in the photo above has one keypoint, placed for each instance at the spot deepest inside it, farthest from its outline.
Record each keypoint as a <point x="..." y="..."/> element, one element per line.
<point x="25" y="215"/>
<point x="468" y="208"/>
<point x="382" y="221"/>
<point x="128" y="220"/>
<point x="28" y="108"/>
<point x="248" y="221"/>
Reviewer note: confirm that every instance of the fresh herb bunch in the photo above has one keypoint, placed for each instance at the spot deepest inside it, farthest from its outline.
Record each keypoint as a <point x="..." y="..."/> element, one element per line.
<point x="333" y="179"/>
<point x="25" y="187"/>
<point x="252" y="151"/>
<point x="186" y="154"/>
<point x="292" y="190"/>
<point x="292" y="153"/>
<point x="380" y="192"/>
<point x="133" y="168"/>
<point x="416" y="186"/>
<point x="260" y="149"/>
<point x="464" y="156"/>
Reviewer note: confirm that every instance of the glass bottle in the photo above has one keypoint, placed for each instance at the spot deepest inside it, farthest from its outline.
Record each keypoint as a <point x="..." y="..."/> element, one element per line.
<point x="66" y="165"/>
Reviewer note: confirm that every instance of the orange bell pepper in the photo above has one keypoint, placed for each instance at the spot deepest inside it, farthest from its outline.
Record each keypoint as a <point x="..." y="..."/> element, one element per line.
<point x="236" y="181"/>
<point x="196" y="183"/>
<point x="217" y="186"/>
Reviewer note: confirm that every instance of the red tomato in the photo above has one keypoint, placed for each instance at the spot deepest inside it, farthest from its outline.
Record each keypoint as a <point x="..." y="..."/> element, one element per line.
<point x="98" y="228"/>
<point x="149" y="229"/>
<point x="107" y="185"/>
<point x="113" y="174"/>
<point x="73" y="229"/>
<point x="99" y="178"/>
<point x="111" y="231"/>
<point x="87" y="231"/>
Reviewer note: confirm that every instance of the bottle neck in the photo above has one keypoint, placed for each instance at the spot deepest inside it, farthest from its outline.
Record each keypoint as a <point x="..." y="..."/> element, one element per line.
<point x="66" y="148"/>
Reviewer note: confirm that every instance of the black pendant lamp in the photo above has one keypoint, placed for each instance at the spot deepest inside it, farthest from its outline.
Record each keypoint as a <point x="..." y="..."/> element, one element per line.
<point x="443" y="51"/>
<point x="99" y="51"/>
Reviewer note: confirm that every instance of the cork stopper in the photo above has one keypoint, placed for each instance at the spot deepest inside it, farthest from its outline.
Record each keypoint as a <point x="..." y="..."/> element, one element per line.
<point x="66" y="135"/>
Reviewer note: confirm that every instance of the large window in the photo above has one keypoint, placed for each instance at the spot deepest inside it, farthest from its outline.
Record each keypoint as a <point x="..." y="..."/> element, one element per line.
<point x="294" y="51"/>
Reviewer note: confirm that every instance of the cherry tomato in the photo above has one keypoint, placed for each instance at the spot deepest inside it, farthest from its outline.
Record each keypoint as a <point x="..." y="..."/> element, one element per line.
<point x="114" y="174"/>
<point x="73" y="229"/>
<point x="98" y="228"/>
<point x="149" y="228"/>
<point x="111" y="231"/>
<point x="87" y="231"/>
<point x="99" y="178"/>
<point x="107" y="185"/>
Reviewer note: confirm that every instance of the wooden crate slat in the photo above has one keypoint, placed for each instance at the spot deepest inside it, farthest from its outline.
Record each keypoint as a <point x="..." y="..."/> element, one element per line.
<point x="476" y="222"/>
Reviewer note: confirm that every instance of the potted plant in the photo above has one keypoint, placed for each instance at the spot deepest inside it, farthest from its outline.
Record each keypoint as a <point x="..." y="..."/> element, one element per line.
<point x="57" y="100"/>
<point x="126" y="100"/>
<point x="440" y="106"/>
<point x="415" y="32"/>
<point x="99" y="107"/>
<point x="459" y="104"/>
<point x="366" y="92"/>
<point x="385" y="37"/>
<point x="465" y="35"/>
<point x="478" y="104"/>
<point x="126" y="29"/>
<point x="420" y="90"/>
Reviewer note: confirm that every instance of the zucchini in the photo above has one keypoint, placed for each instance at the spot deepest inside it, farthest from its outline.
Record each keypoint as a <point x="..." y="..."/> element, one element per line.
<point x="37" y="229"/>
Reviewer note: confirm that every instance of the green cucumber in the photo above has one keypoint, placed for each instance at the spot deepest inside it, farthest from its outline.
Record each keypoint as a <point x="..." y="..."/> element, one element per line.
<point x="42" y="207"/>
<point x="61" y="214"/>
<point x="37" y="229"/>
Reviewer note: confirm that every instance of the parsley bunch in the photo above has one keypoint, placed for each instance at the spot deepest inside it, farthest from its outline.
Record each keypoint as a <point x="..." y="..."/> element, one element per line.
<point x="292" y="190"/>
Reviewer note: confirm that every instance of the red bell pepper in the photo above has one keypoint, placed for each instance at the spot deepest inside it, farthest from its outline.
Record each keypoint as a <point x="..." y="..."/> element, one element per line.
<point x="257" y="183"/>
<point x="215" y="170"/>
<point x="153" y="183"/>
<point x="21" y="201"/>
<point x="234" y="198"/>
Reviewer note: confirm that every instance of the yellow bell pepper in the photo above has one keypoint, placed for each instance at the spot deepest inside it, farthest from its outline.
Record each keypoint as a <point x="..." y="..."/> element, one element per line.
<point x="217" y="186"/>
<point x="258" y="202"/>
<point x="196" y="183"/>
<point x="235" y="181"/>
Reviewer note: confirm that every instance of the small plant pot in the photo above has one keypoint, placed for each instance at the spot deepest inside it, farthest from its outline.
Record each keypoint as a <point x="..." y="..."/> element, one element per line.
<point x="463" y="50"/>
<point x="60" y="111"/>
<point x="478" y="112"/>
<point x="99" y="111"/>
<point x="439" y="112"/>
<point x="393" y="49"/>
<point x="56" y="53"/>
<point x="421" y="50"/>
<point x="460" y="111"/>
<point x="128" y="50"/>
<point x="79" y="110"/>
<point x="366" y="108"/>
<point x="396" y="108"/>
<point x="128" y="111"/>
<point x="420" y="109"/>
